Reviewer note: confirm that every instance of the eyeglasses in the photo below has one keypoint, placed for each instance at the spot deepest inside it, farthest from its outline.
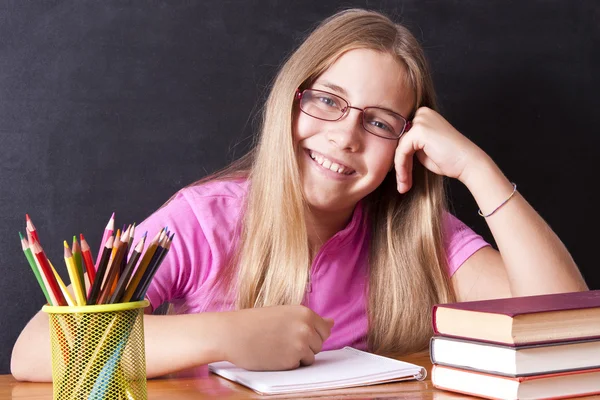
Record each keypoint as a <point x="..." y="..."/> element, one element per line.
<point x="330" y="107"/>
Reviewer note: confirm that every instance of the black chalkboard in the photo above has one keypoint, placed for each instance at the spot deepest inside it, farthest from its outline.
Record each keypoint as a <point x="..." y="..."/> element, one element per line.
<point x="114" y="105"/>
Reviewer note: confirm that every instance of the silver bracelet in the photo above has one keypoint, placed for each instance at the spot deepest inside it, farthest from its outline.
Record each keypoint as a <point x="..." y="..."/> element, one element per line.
<point x="501" y="204"/>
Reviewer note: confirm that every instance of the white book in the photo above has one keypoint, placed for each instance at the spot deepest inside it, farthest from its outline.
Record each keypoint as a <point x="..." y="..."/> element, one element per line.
<point x="333" y="369"/>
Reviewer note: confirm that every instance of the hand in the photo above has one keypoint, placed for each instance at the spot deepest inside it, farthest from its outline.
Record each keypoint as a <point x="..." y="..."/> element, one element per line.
<point x="274" y="338"/>
<point x="438" y="146"/>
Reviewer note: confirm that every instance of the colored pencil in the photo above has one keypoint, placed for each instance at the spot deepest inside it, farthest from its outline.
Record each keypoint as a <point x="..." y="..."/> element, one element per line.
<point x="76" y="251"/>
<point x="139" y="272"/>
<point x="123" y="263"/>
<point x="113" y="269"/>
<point x="150" y="270"/>
<point x="70" y="301"/>
<point x="86" y="252"/>
<point x="74" y="276"/>
<point x="39" y="254"/>
<point x="108" y="231"/>
<point x="34" y="267"/>
<point x="31" y="239"/>
<point x="127" y="272"/>
<point x="104" y="260"/>
<point x="31" y="227"/>
<point x="131" y="236"/>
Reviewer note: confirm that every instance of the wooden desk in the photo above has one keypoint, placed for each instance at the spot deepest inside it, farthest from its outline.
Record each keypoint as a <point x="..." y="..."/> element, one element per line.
<point x="209" y="386"/>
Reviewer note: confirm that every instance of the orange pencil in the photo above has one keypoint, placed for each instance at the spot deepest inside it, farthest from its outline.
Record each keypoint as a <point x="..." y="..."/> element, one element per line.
<point x="124" y="279"/>
<point x="160" y="254"/>
<point x="139" y="272"/>
<point x="116" y="243"/>
<point x="113" y="269"/>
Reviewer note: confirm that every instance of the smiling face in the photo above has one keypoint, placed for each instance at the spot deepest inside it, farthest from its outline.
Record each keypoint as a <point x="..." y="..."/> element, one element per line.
<point x="340" y="162"/>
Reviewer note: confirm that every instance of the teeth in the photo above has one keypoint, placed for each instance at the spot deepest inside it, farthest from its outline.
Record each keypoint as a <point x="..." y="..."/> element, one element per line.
<point x="335" y="167"/>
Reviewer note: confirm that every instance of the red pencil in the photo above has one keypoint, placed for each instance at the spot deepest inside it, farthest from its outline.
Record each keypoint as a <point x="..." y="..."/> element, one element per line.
<point x="31" y="228"/>
<point x="87" y="260"/>
<point x="45" y="266"/>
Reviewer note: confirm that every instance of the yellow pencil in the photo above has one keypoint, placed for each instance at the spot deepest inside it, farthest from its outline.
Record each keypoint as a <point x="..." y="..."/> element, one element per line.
<point x="74" y="276"/>
<point x="63" y="287"/>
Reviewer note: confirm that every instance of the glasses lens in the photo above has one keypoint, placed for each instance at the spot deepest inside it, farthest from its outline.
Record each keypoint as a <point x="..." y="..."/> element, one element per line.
<point x="383" y="123"/>
<point x="322" y="105"/>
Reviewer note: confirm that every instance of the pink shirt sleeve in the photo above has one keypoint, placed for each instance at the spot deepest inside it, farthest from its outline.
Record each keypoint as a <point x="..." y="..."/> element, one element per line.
<point x="188" y="258"/>
<point x="461" y="242"/>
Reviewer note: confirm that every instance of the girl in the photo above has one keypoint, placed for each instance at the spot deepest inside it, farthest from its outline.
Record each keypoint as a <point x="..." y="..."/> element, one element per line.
<point x="333" y="231"/>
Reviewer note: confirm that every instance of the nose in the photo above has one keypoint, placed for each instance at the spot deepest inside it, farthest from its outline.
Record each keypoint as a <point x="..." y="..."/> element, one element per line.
<point x="347" y="132"/>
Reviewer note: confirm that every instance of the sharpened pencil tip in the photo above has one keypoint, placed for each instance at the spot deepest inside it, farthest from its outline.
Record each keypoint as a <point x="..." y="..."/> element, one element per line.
<point x="66" y="244"/>
<point x="74" y="238"/>
<point x="144" y="235"/>
<point x="21" y="235"/>
<point x="113" y="215"/>
<point x="27" y="217"/>
<point x="81" y="237"/>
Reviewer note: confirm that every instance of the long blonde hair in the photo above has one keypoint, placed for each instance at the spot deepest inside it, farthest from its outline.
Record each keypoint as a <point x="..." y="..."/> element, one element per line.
<point x="408" y="268"/>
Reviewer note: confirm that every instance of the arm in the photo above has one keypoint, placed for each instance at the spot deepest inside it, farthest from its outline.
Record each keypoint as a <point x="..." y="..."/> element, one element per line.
<point x="169" y="345"/>
<point x="271" y="338"/>
<point x="534" y="258"/>
<point x="531" y="258"/>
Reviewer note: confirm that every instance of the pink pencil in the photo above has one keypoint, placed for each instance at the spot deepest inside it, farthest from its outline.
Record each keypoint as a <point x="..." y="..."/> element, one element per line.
<point x="108" y="231"/>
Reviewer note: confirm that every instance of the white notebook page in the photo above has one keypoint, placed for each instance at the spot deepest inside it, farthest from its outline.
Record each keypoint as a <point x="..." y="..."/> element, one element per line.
<point x="332" y="369"/>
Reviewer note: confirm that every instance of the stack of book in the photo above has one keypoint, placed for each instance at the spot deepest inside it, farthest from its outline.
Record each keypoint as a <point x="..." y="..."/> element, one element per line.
<point x="532" y="347"/>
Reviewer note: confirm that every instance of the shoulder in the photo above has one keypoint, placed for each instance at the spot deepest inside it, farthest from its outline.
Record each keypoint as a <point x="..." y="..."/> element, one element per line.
<point x="210" y="198"/>
<point x="232" y="189"/>
<point x="212" y="205"/>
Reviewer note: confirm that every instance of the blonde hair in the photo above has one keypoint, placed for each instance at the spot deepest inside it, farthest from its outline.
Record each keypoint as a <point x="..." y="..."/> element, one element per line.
<point x="408" y="268"/>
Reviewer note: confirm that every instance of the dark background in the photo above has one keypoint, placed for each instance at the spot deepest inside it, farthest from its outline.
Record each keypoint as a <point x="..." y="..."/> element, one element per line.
<point x="114" y="105"/>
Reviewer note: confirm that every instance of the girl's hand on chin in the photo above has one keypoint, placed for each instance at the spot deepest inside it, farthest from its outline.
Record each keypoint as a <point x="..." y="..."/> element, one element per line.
<point x="438" y="146"/>
<point x="274" y="338"/>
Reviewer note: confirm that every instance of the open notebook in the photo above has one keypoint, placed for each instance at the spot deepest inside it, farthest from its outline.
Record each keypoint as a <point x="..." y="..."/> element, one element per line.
<point x="334" y="369"/>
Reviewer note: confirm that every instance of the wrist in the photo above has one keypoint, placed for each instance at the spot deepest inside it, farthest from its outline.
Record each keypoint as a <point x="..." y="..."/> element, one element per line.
<point x="479" y="171"/>
<point x="487" y="184"/>
<point x="221" y="329"/>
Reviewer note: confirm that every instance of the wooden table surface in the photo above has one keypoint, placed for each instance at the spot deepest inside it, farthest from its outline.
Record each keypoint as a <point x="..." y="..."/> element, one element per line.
<point x="198" y="384"/>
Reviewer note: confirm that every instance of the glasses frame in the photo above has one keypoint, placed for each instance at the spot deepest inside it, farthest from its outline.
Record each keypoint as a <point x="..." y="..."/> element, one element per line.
<point x="346" y="109"/>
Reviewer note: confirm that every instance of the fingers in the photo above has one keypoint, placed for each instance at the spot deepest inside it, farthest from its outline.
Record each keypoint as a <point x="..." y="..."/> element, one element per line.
<point x="323" y="327"/>
<point x="308" y="358"/>
<point x="403" y="162"/>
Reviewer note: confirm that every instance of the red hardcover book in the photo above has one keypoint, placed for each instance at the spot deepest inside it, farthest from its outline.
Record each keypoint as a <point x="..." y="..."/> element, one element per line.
<point x="522" y="320"/>
<point x="548" y="386"/>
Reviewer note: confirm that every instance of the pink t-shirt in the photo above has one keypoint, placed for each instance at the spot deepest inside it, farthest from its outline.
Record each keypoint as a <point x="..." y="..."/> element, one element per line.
<point x="205" y="220"/>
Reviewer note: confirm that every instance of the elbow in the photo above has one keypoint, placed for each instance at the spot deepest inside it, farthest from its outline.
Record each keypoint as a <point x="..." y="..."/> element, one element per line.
<point x="18" y="369"/>
<point x="24" y="368"/>
<point x="26" y="372"/>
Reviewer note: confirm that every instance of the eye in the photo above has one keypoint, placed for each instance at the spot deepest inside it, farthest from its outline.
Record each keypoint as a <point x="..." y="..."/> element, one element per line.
<point x="380" y="125"/>
<point x="327" y="100"/>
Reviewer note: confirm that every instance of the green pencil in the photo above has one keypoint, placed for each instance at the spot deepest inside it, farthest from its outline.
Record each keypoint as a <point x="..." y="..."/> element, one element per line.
<point x="33" y="265"/>
<point x="76" y="251"/>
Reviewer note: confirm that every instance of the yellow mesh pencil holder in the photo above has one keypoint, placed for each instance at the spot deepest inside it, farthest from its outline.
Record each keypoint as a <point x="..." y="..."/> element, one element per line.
<point x="98" y="351"/>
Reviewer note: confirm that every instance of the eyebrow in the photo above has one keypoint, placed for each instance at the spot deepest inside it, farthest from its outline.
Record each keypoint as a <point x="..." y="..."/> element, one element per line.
<point x="334" y="87"/>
